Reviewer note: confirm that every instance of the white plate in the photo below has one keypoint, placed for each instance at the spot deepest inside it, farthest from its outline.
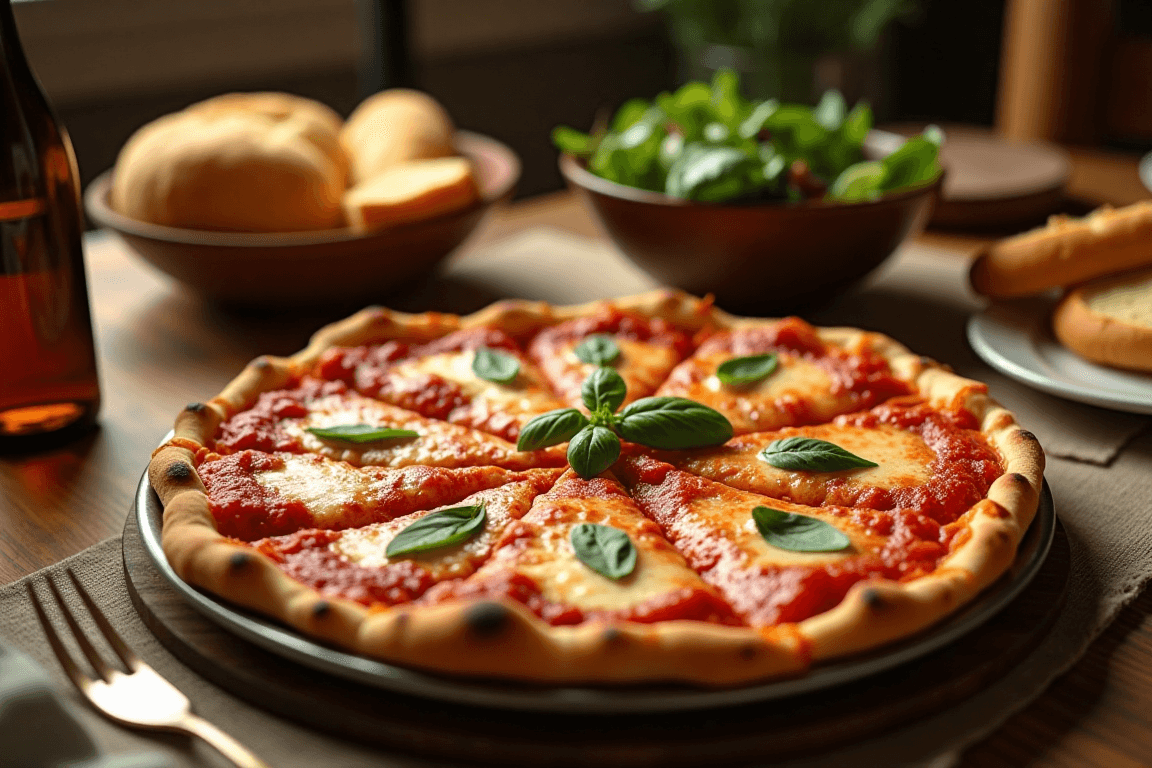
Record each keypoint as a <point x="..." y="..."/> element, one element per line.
<point x="1016" y="339"/>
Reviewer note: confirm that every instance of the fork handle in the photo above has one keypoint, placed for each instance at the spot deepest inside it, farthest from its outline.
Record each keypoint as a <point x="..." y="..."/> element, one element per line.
<point x="222" y="742"/>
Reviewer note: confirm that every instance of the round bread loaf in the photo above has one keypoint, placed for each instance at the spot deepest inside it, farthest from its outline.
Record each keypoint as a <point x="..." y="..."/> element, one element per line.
<point x="1065" y="252"/>
<point x="317" y="122"/>
<point x="411" y="192"/>
<point x="393" y="127"/>
<point x="241" y="162"/>
<point x="1109" y="321"/>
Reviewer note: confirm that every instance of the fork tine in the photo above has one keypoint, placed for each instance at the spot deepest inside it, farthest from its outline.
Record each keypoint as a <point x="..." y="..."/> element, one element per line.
<point x="126" y="654"/>
<point x="98" y="664"/>
<point x="81" y="679"/>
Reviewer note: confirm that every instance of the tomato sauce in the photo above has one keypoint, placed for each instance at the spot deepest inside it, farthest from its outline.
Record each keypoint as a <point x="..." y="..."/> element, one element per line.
<point x="306" y="557"/>
<point x="244" y="509"/>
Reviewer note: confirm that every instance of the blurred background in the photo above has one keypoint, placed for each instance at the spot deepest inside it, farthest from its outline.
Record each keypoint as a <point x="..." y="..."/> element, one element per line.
<point x="1073" y="71"/>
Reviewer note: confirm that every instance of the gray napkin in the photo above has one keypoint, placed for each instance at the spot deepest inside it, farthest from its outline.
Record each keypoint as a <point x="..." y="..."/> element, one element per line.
<point x="38" y="729"/>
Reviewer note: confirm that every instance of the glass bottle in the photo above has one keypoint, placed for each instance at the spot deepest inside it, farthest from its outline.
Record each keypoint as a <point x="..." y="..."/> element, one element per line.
<point x="48" y="377"/>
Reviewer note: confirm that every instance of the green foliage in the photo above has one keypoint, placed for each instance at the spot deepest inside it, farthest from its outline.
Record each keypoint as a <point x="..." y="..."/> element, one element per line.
<point x="708" y="143"/>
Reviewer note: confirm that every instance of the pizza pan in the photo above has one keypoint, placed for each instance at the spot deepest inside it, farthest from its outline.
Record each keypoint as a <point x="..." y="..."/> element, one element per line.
<point x="286" y="643"/>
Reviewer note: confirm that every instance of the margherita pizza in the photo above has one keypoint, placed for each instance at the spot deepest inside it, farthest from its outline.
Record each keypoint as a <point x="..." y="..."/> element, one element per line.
<point x="643" y="489"/>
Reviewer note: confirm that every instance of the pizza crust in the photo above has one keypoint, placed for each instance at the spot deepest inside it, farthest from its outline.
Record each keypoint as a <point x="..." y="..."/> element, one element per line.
<point x="502" y="638"/>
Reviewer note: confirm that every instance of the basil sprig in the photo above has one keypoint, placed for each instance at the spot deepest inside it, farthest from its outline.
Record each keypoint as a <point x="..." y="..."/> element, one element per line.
<point x="673" y="424"/>
<point x="494" y="366"/>
<point x="439" y="529"/>
<point x="797" y="533"/>
<point x="603" y="389"/>
<point x="604" y="549"/>
<point x="360" y="433"/>
<point x="593" y="450"/>
<point x="597" y="349"/>
<point x="551" y="428"/>
<point x="745" y="370"/>
<point x="807" y="454"/>
<point x="668" y="423"/>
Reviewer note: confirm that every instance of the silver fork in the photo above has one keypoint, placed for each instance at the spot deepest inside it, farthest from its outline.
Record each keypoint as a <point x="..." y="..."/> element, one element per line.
<point x="140" y="698"/>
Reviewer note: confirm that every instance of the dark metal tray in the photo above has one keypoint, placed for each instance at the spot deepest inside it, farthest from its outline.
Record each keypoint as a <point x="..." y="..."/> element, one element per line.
<point x="287" y="643"/>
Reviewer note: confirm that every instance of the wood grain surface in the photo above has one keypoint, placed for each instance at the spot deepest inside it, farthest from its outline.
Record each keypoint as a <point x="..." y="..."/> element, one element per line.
<point x="160" y="347"/>
<point x="807" y="725"/>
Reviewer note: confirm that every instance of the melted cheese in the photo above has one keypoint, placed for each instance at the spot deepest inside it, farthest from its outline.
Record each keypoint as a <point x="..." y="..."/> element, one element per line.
<point x="339" y="495"/>
<point x="524" y="395"/>
<point x="326" y="488"/>
<point x="796" y="392"/>
<point x="366" y="546"/>
<point x="546" y="555"/>
<point x="904" y="461"/>
<point x="439" y="444"/>
<point x="643" y="367"/>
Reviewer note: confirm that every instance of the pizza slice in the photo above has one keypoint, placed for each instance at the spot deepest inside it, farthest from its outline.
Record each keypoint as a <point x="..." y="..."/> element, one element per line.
<point x="642" y="350"/>
<point x="762" y="575"/>
<point x="326" y="418"/>
<point x="354" y="563"/>
<point x="254" y="495"/>
<point x="780" y="374"/>
<point x="444" y="380"/>
<point x="924" y="460"/>
<point x="537" y="564"/>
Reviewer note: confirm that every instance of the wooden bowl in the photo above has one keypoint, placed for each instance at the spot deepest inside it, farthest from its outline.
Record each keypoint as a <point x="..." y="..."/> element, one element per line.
<point x="767" y="258"/>
<point x="324" y="266"/>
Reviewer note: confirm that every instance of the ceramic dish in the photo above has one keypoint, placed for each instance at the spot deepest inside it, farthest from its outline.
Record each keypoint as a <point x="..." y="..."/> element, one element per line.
<point x="336" y="265"/>
<point x="635" y="699"/>
<point x="1016" y="339"/>
<point x="766" y="258"/>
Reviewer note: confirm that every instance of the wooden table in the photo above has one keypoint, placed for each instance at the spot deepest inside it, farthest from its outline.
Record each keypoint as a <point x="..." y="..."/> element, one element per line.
<point x="160" y="347"/>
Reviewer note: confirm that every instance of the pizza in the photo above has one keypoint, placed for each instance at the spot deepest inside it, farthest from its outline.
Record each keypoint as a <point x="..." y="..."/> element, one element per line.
<point x="635" y="490"/>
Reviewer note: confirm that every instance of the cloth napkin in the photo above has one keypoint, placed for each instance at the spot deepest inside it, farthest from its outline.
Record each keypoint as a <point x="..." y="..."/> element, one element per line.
<point x="1099" y="467"/>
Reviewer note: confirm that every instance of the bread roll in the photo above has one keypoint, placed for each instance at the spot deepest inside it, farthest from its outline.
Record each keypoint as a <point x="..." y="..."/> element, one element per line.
<point x="316" y="122"/>
<point x="411" y="192"/>
<point x="393" y="127"/>
<point x="1065" y="252"/>
<point x="1109" y="321"/>
<point x="243" y="162"/>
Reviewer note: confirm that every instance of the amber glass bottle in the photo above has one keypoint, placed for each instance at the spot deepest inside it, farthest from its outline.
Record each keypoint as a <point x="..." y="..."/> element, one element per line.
<point x="47" y="358"/>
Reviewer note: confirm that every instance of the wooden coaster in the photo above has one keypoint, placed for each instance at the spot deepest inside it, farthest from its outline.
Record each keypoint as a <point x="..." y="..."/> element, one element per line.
<point x="806" y="724"/>
<point x="991" y="182"/>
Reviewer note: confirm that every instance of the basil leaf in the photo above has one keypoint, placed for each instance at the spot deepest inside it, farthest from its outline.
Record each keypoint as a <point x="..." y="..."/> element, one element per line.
<point x="672" y="423"/>
<point x="604" y="549"/>
<point x="572" y="141"/>
<point x="593" y="450"/>
<point x="439" y="529"/>
<point x="551" y="428"/>
<point x="913" y="163"/>
<point x="360" y="433"/>
<point x="491" y="365"/>
<point x="807" y="454"/>
<point x="831" y="110"/>
<point x="597" y="349"/>
<point x="710" y="173"/>
<point x="862" y="181"/>
<point x="604" y="388"/>
<point x="797" y="533"/>
<point x="745" y="370"/>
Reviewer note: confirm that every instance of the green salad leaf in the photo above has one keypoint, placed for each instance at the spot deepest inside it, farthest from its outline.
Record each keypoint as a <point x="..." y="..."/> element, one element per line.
<point x="708" y="143"/>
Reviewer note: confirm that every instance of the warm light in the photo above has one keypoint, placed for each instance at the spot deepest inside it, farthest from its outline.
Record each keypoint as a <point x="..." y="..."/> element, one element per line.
<point x="38" y="418"/>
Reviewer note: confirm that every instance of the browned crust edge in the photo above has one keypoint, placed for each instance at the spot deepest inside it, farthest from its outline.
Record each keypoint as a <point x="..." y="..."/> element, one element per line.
<point x="502" y="638"/>
<point x="1065" y="252"/>
<point x="1100" y="338"/>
